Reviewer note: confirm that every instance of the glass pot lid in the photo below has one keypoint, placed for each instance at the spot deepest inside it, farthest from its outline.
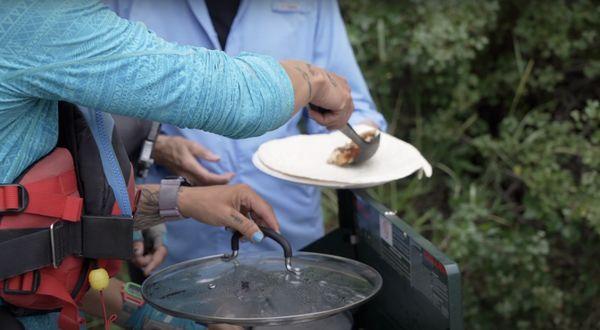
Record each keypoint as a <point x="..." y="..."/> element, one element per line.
<point x="262" y="288"/>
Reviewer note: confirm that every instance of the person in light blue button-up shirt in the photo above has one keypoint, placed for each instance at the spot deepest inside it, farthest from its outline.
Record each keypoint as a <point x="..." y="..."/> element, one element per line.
<point x="81" y="52"/>
<point x="312" y="31"/>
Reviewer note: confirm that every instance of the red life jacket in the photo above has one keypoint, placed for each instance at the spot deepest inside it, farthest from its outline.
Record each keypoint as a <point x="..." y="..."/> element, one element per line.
<point x="60" y="221"/>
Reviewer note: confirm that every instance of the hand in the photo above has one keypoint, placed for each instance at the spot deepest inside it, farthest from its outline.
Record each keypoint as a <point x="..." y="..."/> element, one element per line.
<point x="179" y="155"/>
<point x="335" y="97"/>
<point x="148" y="262"/>
<point x="237" y="207"/>
<point x="323" y="89"/>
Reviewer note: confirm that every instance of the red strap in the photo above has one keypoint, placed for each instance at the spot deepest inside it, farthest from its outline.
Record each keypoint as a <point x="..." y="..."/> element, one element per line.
<point x="20" y="283"/>
<point x="64" y="184"/>
<point x="49" y="197"/>
<point x="55" y="205"/>
<point x="9" y="197"/>
<point x="69" y="318"/>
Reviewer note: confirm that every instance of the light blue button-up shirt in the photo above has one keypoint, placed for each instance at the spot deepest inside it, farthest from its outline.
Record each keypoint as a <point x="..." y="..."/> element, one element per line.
<point x="312" y="31"/>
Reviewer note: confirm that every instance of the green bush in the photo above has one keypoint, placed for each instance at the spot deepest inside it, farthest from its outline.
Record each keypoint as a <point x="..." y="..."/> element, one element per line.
<point x="502" y="97"/>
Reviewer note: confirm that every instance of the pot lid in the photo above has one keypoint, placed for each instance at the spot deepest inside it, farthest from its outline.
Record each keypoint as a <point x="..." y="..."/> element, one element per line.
<point x="262" y="288"/>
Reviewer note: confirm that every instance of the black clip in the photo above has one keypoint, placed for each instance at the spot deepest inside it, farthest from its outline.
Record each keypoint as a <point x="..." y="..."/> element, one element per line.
<point x="23" y="199"/>
<point x="35" y="284"/>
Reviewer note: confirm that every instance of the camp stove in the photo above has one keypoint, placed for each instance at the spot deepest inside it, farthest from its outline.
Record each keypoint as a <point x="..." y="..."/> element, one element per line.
<point x="373" y="272"/>
<point x="421" y="286"/>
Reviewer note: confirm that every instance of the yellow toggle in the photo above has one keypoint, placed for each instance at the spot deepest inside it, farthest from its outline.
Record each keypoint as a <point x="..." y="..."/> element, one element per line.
<point x="98" y="279"/>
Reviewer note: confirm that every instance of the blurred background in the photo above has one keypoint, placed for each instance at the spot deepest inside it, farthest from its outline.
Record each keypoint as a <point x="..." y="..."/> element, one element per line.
<point x="503" y="98"/>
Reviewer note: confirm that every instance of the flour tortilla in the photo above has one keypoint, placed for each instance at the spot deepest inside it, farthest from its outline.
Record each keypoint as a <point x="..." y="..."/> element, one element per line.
<point x="324" y="184"/>
<point x="301" y="157"/>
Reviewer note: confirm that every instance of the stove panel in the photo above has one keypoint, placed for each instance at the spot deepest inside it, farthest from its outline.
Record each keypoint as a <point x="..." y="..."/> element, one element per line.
<point x="426" y="282"/>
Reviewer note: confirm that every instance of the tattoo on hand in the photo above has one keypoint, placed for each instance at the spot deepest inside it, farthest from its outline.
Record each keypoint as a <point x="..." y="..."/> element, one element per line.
<point x="307" y="79"/>
<point x="237" y="219"/>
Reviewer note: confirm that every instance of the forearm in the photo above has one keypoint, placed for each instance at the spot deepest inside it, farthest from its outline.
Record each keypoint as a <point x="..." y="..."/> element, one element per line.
<point x="306" y="81"/>
<point x="148" y="211"/>
<point x="113" y="65"/>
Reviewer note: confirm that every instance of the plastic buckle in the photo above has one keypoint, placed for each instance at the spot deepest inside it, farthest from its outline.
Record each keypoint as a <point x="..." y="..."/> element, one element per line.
<point x="145" y="160"/>
<point x="35" y="284"/>
<point x="23" y="199"/>
<point x="55" y="261"/>
<point x="132" y="292"/>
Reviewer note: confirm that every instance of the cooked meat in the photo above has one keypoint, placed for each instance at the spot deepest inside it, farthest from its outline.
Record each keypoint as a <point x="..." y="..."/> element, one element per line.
<point x="346" y="155"/>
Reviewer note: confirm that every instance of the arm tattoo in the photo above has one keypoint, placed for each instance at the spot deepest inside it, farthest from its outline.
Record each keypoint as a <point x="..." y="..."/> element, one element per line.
<point x="310" y="70"/>
<point x="332" y="80"/>
<point x="307" y="79"/>
<point x="147" y="214"/>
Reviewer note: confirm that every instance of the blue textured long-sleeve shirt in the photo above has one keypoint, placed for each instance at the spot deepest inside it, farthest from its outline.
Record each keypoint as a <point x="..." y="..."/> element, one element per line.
<point x="81" y="52"/>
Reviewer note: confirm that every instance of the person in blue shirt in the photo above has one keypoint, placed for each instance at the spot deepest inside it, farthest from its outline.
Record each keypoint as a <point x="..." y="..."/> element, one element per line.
<point x="309" y="30"/>
<point x="83" y="53"/>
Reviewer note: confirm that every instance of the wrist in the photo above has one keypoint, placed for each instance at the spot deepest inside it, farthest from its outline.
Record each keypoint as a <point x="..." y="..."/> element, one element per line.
<point x="185" y="201"/>
<point x="318" y="79"/>
<point x="159" y="147"/>
<point x="168" y="198"/>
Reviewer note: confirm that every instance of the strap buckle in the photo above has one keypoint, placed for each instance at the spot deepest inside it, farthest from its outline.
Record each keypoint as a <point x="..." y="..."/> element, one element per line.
<point x="145" y="160"/>
<point x="35" y="284"/>
<point x="23" y="199"/>
<point x="56" y="260"/>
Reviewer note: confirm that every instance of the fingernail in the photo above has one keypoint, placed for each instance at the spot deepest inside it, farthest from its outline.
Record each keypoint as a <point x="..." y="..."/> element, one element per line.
<point x="258" y="237"/>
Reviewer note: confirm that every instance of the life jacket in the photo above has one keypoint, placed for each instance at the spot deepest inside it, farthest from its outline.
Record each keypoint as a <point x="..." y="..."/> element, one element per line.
<point x="58" y="221"/>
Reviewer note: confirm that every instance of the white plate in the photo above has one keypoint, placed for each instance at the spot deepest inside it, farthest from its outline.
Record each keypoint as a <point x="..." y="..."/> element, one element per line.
<point x="324" y="184"/>
<point x="303" y="159"/>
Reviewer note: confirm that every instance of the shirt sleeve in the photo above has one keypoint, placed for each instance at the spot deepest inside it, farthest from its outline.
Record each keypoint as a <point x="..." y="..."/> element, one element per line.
<point x="82" y="52"/>
<point x="334" y="52"/>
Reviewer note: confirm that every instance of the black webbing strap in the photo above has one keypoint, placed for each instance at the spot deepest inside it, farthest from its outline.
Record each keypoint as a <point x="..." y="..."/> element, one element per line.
<point x="23" y="250"/>
<point x="107" y="237"/>
<point x="8" y="321"/>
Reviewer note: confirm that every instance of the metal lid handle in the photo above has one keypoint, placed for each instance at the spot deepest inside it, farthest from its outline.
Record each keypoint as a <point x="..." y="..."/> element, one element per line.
<point x="270" y="233"/>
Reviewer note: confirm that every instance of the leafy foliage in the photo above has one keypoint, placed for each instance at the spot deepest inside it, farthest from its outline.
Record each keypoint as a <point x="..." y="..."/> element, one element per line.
<point x="503" y="98"/>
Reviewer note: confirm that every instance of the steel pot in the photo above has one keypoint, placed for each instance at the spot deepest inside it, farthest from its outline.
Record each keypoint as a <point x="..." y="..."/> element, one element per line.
<point x="262" y="289"/>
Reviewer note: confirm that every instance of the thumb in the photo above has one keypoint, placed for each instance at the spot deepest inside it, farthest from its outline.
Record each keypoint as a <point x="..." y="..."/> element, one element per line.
<point x="247" y="227"/>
